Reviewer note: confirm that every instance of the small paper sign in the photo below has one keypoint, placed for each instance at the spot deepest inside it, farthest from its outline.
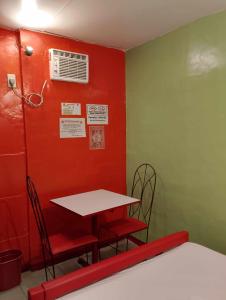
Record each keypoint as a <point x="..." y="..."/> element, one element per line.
<point x="70" y="108"/>
<point x="97" y="114"/>
<point x="96" y="137"/>
<point x="72" y="128"/>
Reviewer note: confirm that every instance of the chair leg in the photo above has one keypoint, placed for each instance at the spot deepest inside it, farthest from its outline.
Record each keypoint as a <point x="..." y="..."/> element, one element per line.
<point x="46" y="272"/>
<point x="53" y="273"/>
<point x="95" y="253"/>
<point x="99" y="255"/>
<point x="45" y="262"/>
<point x="127" y="243"/>
<point x="50" y="266"/>
<point x="116" y="248"/>
<point x="147" y="235"/>
<point x="53" y="267"/>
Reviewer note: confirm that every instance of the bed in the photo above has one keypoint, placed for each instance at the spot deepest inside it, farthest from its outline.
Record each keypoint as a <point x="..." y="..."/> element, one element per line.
<point x="171" y="268"/>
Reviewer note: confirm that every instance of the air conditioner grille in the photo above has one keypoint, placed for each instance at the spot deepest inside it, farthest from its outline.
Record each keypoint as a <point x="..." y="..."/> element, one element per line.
<point x="68" y="66"/>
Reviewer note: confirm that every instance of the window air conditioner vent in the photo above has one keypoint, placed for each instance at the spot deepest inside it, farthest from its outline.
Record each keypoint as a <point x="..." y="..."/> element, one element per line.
<point x="69" y="66"/>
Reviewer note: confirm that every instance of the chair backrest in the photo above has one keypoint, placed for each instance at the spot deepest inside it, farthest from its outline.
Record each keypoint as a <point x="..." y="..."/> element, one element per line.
<point x="40" y="221"/>
<point x="143" y="188"/>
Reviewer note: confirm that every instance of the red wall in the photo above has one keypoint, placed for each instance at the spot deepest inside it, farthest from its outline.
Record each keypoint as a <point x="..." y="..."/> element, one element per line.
<point x="58" y="166"/>
<point x="65" y="166"/>
<point x="13" y="202"/>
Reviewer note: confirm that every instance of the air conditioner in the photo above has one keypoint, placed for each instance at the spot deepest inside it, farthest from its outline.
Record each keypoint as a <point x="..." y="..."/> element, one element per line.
<point x="69" y="66"/>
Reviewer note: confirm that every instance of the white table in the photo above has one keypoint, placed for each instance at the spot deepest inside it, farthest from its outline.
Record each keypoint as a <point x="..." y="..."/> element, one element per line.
<point x="90" y="203"/>
<point x="93" y="203"/>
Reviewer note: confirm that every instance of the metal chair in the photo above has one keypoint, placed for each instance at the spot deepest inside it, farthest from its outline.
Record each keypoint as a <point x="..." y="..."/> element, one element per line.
<point x="56" y="244"/>
<point x="139" y="215"/>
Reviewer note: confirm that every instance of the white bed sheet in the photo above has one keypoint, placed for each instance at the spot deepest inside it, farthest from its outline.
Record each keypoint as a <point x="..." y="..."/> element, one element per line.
<point x="188" y="272"/>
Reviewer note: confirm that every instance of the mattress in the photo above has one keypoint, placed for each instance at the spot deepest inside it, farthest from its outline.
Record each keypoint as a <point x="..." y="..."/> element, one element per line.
<point x="188" y="272"/>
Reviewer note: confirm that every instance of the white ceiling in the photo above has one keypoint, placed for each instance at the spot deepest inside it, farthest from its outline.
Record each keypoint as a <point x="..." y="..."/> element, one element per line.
<point x="121" y="24"/>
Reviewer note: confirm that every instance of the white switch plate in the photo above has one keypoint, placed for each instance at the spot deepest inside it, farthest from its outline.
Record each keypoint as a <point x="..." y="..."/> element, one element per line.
<point x="11" y="77"/>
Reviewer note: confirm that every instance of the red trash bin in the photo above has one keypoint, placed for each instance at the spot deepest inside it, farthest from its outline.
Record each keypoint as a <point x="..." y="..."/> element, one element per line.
<point x="10" y="269"/>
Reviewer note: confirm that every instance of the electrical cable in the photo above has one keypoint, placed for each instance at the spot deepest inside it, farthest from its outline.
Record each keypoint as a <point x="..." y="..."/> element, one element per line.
<point x="28" y="98"/>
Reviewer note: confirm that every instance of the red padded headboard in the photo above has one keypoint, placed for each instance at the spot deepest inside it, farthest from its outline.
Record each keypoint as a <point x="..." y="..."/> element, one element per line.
<point x="80" y="278"/>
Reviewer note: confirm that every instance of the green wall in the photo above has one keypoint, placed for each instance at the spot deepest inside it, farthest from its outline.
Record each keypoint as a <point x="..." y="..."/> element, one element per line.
<point x="176" y="120"/>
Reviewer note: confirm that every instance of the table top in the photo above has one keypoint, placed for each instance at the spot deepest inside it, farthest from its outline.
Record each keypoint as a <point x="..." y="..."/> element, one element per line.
<point x="189" y="271"/>
<point x="93" y="202"/>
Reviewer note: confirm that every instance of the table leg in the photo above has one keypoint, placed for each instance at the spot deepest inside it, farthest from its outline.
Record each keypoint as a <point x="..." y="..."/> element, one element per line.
<point x="95" y="233"/>
<point x="95" y="254"/>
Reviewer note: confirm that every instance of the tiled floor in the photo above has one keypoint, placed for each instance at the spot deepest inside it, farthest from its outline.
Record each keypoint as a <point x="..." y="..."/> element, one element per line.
<point x="31" y="279"/>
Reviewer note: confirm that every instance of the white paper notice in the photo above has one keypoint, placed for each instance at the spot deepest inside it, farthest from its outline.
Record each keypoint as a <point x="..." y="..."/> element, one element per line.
<point x="97" y="114"/>
<point x="72" y="128"/>
<point x="70" y="109"/>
